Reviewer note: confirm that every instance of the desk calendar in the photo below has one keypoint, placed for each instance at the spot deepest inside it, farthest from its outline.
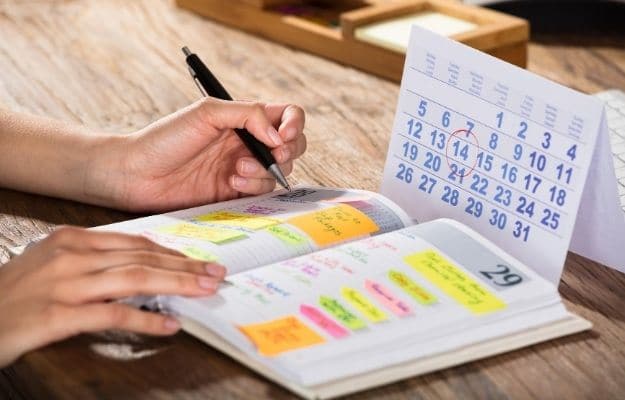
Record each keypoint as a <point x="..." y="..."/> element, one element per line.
<point x="492" y="146"/>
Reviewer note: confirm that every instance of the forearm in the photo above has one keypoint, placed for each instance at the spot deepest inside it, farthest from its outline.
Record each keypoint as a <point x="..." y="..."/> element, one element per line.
<point x="47" y="157"/>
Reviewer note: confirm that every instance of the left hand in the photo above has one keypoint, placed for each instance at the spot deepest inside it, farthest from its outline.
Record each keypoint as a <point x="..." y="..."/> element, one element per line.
<point x="193" y="156"/>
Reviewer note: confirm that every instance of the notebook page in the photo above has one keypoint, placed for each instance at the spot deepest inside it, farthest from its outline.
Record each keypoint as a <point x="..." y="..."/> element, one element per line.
<point x="378" y="295"/>
<point x="246" y="233"/>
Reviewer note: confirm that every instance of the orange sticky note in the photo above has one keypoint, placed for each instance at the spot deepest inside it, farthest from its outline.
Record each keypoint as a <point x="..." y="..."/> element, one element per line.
<point x="285" y="334"/>
<point x="334" y="224"/>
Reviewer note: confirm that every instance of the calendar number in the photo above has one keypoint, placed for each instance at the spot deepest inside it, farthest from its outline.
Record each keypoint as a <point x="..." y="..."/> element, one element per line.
<point x="450" y="196"/>
<point x="499" y="119"/>
<point x="557" y="195"/>
<point x="461" y="150"/>
<point x="509" y="173"/>
<point x="404" y="173"/>
<point x="571" y="152"/>
<point x="550" y="219"/>
<point x="532" y="182"/>
<point x="546" y="143"/>
<point x="474" y="207"/>
<point x="423" y="108"/>
<point x="427" y="184"/>
<point x="522" y="130"/>
<point x="415" y="128"/>
<point x="564" y="173"/>
<point x="485" y="161"/>
<point x="503" y="196"/>
<point x="445" y="119"/>
<point x="538" y="161"/>
<point x="518" y="152"/>
<point x="470" y="126"/>
<point x="492" y="143"/>
<point x="479" y="184"/>
<point x="438" y="139"/>
<point x="526" y="207"/>
<point x="521" y="231"/>
<point x="457" y="174"/>
<point x="410" y="150"/>
<point x="498" y="219"/>
<point x="502" y="276"/>
<point x="432" y="161"/>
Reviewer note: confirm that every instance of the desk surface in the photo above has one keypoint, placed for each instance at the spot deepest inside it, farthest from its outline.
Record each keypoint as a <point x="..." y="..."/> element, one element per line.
<point x="87" y="62"/>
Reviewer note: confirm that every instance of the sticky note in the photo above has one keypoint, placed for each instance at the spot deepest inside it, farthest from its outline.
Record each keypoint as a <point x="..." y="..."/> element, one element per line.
<point x="410" y="287"/>
<point x="199" y="254"/>
<point x="363" y="305"/>
<point x="343" y="315"/>
<point x="238" y="220"/>
<point x="454" y="282"/>
<point x="195" y="231"/>
<point x="334" y="224"/>
<point x="286" y="235"/>
<point x="279" y="335"/>
<point x="318" y="318"/>
<point x="385" y="297"/>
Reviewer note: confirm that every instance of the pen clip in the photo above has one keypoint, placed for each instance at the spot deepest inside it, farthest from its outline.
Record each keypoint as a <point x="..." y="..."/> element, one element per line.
<point x="197" y="82"/>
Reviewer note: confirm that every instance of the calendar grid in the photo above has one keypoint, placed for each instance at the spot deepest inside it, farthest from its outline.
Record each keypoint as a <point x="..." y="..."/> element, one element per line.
<point x="546" y="205"/>
<point x="493" y="129"/>
<point x="569" y="187"/>
<point x="493" y="205"/>
<point x="498" y="106"/>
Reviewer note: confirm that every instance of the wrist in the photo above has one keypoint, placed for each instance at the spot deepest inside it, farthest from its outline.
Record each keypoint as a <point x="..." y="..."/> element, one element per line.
<point x="103" y="176"/>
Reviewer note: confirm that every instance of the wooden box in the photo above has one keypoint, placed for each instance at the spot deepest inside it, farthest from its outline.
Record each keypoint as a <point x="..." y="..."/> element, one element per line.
<point x="332" y="32"/>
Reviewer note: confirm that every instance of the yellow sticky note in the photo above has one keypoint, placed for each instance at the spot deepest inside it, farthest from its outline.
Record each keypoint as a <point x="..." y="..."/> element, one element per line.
<point x="280" y="335"/>
<point x="199" y="254"/>
<point x="286" y="235"/>
<point x="363" y="305"/>
<point x="454" y="282"/>
<point x="334" y="224"/>
<point x="239" y="220"/>
<point x="195" y="231"/>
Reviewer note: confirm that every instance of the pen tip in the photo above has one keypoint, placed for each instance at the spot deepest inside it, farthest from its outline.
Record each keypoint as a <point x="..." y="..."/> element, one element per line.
<point x="186" y="51"/>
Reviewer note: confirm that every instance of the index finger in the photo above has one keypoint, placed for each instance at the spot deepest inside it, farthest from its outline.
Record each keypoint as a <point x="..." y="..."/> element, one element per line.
<point x="289" y="117"/>
<point x="79" y="238"/>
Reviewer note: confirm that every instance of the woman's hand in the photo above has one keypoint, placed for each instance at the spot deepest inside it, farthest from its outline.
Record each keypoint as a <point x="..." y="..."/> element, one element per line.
<point x="63" y="286"/>
<point x="194" y="157"/>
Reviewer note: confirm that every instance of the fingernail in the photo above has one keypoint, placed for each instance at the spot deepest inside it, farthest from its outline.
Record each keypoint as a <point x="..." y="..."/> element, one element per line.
<point x="215" y="269"/>
<point x="248" y="167"/>
<point x="172" y="324"/>
<point x="206" y="283"/>
<point x="274" y="136"/>
<point x="239" y="181"/>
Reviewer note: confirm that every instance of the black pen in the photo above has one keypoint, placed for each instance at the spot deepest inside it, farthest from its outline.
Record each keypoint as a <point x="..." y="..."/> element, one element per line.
<point x="210" y="86"/>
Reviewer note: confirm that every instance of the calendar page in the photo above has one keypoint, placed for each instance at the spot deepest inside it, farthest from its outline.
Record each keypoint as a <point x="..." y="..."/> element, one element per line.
<point x="493" y="146"/>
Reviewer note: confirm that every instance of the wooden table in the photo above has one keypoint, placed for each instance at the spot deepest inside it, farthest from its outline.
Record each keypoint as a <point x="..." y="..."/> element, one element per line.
<point x="116" y="65"/>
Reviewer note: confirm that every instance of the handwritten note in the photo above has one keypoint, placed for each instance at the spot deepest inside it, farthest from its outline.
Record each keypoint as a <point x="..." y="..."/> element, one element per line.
<point x="343" y="315"/>
<point x="280" y="335"/>
<point x="195" y="231"/>
<point x="411" y="288"/>
<point x="286" y="235"/>
<point x="323" y="322"/>
<point x="454" y="282"/>
<point x="387" y="299"/>
<point x="199" y="254"/>
<point x="335" y="224"/>
<point x="363" y="305"/>
<point x="238" y="220"/>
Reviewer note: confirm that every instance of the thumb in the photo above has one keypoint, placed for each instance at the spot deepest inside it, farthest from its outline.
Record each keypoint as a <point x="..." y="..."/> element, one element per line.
<point x="240" y="114"/>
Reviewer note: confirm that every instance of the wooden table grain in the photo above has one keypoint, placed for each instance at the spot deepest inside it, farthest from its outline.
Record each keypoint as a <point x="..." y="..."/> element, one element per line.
<point x="116" y="65"/>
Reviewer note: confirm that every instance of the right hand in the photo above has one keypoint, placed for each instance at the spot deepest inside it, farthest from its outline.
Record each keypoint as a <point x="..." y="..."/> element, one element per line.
<point x="64" y="284"/>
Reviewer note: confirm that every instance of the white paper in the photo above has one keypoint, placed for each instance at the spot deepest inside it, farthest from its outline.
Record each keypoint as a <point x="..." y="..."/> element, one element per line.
<point x="600" y="229"/>
<point x="522" y="179"/>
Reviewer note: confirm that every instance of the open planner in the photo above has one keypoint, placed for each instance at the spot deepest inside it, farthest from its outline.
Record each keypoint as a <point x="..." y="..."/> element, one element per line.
<point x="332" y="291"/>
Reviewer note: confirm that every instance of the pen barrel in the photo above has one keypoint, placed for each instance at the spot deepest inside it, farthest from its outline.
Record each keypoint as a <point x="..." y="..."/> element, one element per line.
<point x="210" y="83"/>
<point x="256" y="147"/>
